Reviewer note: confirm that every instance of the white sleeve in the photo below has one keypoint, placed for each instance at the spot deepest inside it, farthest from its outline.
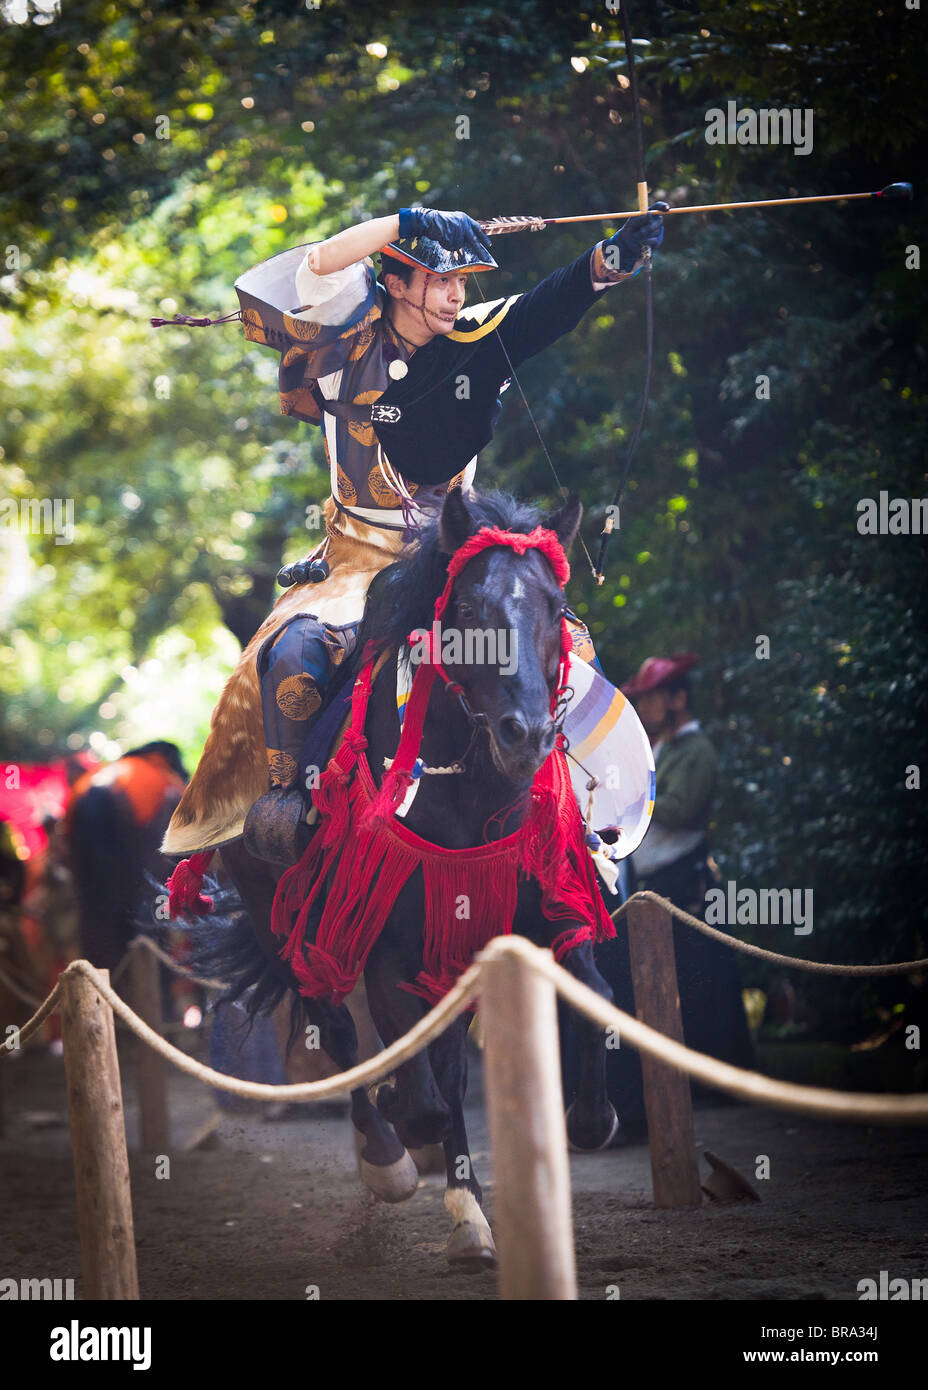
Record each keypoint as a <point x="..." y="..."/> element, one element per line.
<point x="332" y="298"/>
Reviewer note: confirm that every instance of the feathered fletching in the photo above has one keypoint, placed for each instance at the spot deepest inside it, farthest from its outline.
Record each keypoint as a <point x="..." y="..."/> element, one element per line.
<point x="499" y="226"/>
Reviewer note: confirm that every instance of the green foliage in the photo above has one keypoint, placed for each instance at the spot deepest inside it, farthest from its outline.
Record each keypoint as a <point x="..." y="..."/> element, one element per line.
<point x="740" y="517"/>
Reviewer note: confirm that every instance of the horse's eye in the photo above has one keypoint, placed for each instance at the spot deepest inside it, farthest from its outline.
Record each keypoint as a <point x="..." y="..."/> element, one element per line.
<point x="464" y="610"/>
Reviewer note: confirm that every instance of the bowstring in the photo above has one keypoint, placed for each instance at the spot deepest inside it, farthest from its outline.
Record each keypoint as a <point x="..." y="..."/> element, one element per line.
<point x="515" y="377"/>
<point x="639" y="424"/>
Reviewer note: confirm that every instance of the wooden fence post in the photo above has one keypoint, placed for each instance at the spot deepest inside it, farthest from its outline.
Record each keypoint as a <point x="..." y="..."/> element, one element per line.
<point x="532" y="1217"/>
<point x="145" y="981"/>
<point x="98" y="1141"/>
<point x="667" y="1099"/>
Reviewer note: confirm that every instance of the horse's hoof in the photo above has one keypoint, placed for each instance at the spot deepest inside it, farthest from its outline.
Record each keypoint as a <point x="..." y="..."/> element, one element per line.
<point x="391" y="1182"/>
<point x="397" y="1182"/>
<point x="471" y="1245"/>
<point x="576" y="1142"/>
<point x="430" y="1159"/>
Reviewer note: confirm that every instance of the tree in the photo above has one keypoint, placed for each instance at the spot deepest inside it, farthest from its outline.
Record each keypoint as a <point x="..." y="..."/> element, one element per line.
<point x="787" y="381"/>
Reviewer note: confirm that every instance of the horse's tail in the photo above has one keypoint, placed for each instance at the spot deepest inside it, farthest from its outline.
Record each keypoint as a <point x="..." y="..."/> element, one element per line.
<point x="224" y="947"/>
<point x="106" y="858"/>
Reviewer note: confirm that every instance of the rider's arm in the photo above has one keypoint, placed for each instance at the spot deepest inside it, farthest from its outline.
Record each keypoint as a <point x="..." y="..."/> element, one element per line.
<point x="557" y="304"/>
<point x="341" y="304"/>
<point x="353" y="244"/>
<point x="552" y="308"/>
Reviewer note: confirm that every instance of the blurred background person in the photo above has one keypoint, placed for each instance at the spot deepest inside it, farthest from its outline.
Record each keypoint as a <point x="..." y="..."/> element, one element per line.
<point x="674" y="861"/>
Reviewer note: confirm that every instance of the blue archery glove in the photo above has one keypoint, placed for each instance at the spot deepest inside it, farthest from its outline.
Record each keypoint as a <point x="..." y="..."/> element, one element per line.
<point x="633" y="236"/>
<point x="455" y="231"/>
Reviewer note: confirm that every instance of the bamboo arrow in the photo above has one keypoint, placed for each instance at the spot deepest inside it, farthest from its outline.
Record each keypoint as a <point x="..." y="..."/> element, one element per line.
<point x="499" y="226"/>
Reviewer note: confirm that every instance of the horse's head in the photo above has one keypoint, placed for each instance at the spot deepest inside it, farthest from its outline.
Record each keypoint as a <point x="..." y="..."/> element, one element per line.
<point x="501" y="636"/>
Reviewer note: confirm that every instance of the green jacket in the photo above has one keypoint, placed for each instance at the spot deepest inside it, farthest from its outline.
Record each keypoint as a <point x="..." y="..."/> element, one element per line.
<point x="685" y="782"/>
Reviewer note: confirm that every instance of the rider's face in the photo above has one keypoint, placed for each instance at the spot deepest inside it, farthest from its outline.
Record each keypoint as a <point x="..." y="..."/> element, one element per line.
<point x="444" y="297"/>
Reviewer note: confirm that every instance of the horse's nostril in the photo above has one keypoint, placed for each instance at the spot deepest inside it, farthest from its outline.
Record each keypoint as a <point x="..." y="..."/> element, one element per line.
<point x="513" y="730"/>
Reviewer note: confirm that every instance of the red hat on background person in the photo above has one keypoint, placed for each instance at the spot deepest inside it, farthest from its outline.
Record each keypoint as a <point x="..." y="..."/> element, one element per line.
<point x="657" y="671"/>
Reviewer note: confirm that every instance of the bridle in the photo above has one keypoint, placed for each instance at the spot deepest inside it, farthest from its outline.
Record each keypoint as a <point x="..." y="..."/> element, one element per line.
<point x="400" y="772"/>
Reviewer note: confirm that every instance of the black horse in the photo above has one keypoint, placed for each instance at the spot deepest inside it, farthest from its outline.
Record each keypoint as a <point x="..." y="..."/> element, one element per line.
<point x="497" y="590"/>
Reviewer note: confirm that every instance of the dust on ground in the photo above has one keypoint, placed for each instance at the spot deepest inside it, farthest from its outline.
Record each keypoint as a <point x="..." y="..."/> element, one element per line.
<point x="274" y="1210"/>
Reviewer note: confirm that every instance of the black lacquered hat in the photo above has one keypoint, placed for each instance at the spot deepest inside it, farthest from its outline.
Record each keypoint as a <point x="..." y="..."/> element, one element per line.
<point x="430" y="256"/>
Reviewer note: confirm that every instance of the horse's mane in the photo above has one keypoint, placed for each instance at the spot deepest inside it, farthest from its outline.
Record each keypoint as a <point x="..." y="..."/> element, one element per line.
<point x="402" y="597"/>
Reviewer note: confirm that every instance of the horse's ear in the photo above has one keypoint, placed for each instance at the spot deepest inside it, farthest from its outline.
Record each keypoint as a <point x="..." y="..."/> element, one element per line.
<point x="565" y="523"/>
<point x="456" y="524"/>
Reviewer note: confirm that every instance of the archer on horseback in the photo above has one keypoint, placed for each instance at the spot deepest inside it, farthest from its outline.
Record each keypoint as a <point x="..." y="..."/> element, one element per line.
<point x="406" y="384"/>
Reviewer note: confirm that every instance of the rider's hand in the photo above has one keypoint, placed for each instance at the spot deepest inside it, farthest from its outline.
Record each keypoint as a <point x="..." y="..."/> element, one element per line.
<point x="633" y="236"/>
<point x="453" y="230"/>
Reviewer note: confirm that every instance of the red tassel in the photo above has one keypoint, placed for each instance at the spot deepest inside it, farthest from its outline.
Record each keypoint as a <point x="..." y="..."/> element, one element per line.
<point x="184" y="896"/>
<point x="331" y="796"/>
<point x="398" y="779"/>
<point x="330" y="799"/>
<point x="568" y="940"/>
<point x="555" y="854"/>
<point x="470" y="895"/>
<point x="361" y="889"/>
<point x="545" y="831"/>
<point x="293" y="886"/>
<point x="468" y="901"/>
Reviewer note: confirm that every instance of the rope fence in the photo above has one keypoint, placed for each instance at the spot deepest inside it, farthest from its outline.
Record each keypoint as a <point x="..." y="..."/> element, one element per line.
<point x="517" y="984"/>
<point x="853" y="1106"/>
<point x="166" y="960"/>
<point x="735" y="1081"/>
<point x="904" y="967"/>
<point x="26" y="996"/>
<point x="373" y="1070"/>
<point x="33" y="1024"/>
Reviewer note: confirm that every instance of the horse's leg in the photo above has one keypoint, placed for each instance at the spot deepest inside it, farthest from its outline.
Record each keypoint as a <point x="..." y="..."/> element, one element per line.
<point x="471" y="1241"/>
<point x="591" y="1120"/>
<point x="415" y="1105"/>
<point x="384" y="1164"/>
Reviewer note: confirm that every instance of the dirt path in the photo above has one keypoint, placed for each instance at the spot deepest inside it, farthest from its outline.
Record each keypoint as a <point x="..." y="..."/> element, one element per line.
<point x="277" y="1207"/>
